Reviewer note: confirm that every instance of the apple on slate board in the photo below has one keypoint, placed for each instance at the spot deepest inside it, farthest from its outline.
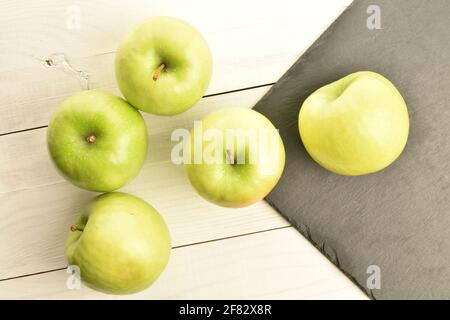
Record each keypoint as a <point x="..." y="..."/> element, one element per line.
<point x="356" y="125"/>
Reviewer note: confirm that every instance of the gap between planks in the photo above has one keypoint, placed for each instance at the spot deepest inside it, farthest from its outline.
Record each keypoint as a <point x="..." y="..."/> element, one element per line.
<point x="173" y="248"/>
<point x="205" y="96"/>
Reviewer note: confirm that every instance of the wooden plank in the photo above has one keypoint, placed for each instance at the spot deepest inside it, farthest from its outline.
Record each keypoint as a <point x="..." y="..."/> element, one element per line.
<point x="37" y="206"/>
<point x="278" y="264"/>
<point x="251" y="45"/>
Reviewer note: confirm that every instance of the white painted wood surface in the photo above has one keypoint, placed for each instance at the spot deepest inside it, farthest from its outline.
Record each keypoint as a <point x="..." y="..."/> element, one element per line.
<point x="277" y="264"/>
<point x="253" y="43"/>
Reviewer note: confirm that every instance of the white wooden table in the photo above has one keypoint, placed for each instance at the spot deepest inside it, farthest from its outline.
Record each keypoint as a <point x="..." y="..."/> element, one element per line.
<point x="218" y="253"/>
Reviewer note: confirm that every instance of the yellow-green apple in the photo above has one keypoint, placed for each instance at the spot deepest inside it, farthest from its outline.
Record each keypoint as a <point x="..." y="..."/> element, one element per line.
<point x="97" y="140"/>
<point x="163" y="66"/>
<point x="235" y="157"/>
<point x="356" y="125"/>
<point x="119" y="243"/>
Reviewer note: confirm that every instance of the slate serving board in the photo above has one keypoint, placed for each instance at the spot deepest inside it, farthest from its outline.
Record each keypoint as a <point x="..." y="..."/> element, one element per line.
<point x="397" y="219"/>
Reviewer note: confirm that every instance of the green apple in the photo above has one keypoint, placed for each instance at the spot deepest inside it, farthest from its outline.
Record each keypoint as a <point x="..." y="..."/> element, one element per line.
<point x="120" y="244"/>
<point x="163" y="66"/>
<point x="236" y="157"/>
<point x="356" y="125"/>
<point x="97" y="140"/>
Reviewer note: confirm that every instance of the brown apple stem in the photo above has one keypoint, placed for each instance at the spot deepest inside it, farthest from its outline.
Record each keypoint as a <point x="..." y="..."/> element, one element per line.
<point x="75" y="228"/>
<point x="158" y="71"/>
<point x="91" y="138"/>
<point x="230" y="159"/>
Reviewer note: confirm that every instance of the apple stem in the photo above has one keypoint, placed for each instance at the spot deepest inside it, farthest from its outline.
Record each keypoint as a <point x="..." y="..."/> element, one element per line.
<point x="91" y="138"/>
<point x="230" y="159"/>
<point x="158" y="71"/>
<point x="75" y="228"/>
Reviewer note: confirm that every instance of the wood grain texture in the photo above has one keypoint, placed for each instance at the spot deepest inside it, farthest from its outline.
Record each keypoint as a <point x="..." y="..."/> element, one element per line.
<point x="37" y="206"/>
<point x="278" y="264"/>
<point x="252" y="43"/>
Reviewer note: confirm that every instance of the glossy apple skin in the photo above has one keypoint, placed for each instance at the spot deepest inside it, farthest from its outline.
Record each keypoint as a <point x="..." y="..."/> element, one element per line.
<point x="356" y="125"/>
<point x="118" y="152"/>
<point x="121" y="246"/>
<point x="236" y="185"/>
<point x="187" y="60"/>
